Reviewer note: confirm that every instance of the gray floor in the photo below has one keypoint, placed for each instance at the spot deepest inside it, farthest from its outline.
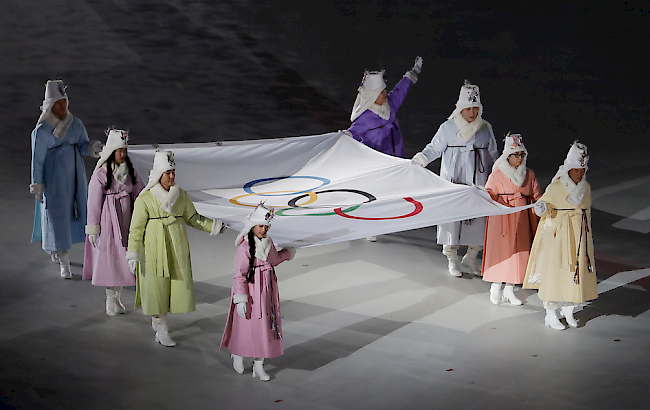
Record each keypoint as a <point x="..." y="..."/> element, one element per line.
<point x="366" y="325"/>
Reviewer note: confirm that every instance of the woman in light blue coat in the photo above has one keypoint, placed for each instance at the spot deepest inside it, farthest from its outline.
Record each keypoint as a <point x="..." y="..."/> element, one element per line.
<point x="468" y="149"/>
<point x="59" y="177"/>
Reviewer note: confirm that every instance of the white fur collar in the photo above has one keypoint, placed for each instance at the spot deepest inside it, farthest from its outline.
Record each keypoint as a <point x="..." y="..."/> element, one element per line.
<point x="167" y="198"/>
<point x="576" y="191"/>
<point x="467" y="129"/>
<point x="382" y="110"/>
<point x="516" y="175"/>
<point x="262" y="246"/>
<point x="120" y="172"/>
<point x="60" y="125"/>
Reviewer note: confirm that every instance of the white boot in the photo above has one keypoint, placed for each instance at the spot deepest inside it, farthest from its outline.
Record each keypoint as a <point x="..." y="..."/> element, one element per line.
<point x="551" y="320"/>
<point x="567" y="312"/>
<point x="159" y="324"/>
<point x="371" y="238"/>
<point x="64" y="263"/>
<point x="237" y="363"/>
<point x="54" y="257"/>
<point x="119" y="306"/>
<point x="451" y="252"/>
<point x="470" y="261"/>
<point x="495" y="293"/>
<point x="111" y="308"/>
<point x="258" y="370"/>
<point x="509" y="295"/>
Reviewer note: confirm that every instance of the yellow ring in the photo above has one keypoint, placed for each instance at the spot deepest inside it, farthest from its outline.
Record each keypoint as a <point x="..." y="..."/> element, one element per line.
<point x="312" y="198"/>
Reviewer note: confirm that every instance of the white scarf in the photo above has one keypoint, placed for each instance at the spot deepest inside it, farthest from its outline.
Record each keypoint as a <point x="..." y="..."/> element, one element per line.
<point x="516" y="175"/>
<point x="60" y="125"/>
<point x="167" y="198"/>
<point x="120" y="172"/>
<point x="262" y="246"/>
<point x="467" y="129"/>
<point x="576" y="191"/>
<point x="382" y="110"/>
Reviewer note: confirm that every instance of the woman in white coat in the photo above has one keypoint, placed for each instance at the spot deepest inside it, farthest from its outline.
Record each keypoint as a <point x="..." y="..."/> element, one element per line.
<point x="468" y="149"/>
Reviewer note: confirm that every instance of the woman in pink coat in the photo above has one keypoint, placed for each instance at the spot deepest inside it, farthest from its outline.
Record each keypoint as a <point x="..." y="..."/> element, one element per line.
<point x="110" y="202"/>
<point x="256" y="329"/>
<point x="508" y="238"/>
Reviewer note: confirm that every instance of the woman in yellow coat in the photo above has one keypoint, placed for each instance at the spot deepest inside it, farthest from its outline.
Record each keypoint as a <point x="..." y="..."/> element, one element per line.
<point x="561" y="263"/>
<point x="158" y="244"/>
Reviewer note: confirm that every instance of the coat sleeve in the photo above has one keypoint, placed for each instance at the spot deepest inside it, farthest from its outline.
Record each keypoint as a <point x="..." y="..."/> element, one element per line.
<point x="537" y="190"/>
<point x="491" y="186"/>
<point x="96" y="193"/>
<point x="137" y="187"/>
<point x="549" y="198"/>
<point x="275" y="258"/>
<point x="239" y="285"/>
<point x="357" y="130"/>
<point x="39" y="150"/>
<point x="138" y="225"/>
<point x="436" y="147"/>
<point x="193" y="218"/>
<point x="84" y="142"/>
<point x="398" y="93"/>
<point x="493" y="149"/>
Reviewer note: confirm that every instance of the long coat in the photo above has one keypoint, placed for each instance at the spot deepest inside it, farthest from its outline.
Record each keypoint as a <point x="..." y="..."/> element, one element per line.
<point x="110" y="209"/>
<point x="383" y="135"/>
<point x="164" y="281"/>
<point x="256" y="335"/>
<point x="508" y="237"/>
<point x="467" y="163"/>
<point x="561" y="263"/>
<point x="60" y="220"/>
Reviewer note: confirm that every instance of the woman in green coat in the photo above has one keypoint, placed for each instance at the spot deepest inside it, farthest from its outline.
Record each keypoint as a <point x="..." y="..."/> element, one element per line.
<point x="158" y="249"/>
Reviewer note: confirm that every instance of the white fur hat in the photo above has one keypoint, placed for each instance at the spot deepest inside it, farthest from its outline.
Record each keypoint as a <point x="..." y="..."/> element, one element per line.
<point x="513" y="143"/>
<point x="371" y="86"/>
<point x="577" y="157"/>
<point x="54" y="91"/>
<point x="163" y="161"/>
<point x="115" y="139"/>
<point x="260" y="216"/>
<point x="469" y="96"/>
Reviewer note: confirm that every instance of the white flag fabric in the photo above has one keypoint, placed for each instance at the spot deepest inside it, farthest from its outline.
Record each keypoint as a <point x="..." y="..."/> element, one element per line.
<point x="325" y="188"/>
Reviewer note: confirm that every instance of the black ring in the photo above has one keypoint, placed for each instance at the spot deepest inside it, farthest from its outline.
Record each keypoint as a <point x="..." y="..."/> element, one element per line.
<point x="292" y="203"/>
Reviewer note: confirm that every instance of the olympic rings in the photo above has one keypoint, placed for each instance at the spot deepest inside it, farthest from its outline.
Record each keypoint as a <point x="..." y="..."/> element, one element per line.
<point x="249" y="185"/>
<point x="418" y="209"/>
<point x="350" y="209"/>
<point x="292" y="203"/>
<point x="312" y="198"/>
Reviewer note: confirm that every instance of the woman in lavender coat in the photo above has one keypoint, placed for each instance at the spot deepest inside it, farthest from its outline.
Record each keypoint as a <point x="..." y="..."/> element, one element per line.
<point x="110" y="203"/>
<point x="254" y="327"/>
<point x="374" y="115"/>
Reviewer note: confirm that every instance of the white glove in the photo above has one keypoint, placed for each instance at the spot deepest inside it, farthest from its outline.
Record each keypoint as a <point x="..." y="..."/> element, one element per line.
<point x="419" y="159"/>
<point x="217" y="227"/>
<point x="37" y="190"/>
<point x="92" y="238"/>
<point x="94" y="148"/>
<point x="292" y="252"/>
<point x="241" y="309"/>
<point x="417" y="67"/>
<point x="133" y="265"/>
<point x="540" y="208"/>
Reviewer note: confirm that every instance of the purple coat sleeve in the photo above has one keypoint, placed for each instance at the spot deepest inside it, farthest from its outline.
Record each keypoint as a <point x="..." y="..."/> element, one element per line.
<point x="138" y="187"/>
<point x="398" y="94"/>
<point x="96" y="190"/>
<point x="275" y="258"/>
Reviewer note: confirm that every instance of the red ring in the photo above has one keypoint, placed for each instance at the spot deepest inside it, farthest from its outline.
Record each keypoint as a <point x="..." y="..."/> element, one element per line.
<point x="418" y="209"/>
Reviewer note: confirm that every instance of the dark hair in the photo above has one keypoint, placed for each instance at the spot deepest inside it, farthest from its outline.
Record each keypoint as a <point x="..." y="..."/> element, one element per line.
<point x="250" y="275"/>
<point x="109" y="170"/>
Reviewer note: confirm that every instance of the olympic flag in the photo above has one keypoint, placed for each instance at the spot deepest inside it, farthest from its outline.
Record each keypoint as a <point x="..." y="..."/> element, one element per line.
<point x="325" y="188"/>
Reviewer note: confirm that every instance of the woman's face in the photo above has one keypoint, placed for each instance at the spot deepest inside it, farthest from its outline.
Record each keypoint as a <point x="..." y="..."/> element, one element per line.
<point x="60" y="108"/>
<point x="382" y="97"/>
<point x="260" y="231"/>
<point x="469" y="114"/>
<point x="516" y="159"/>
<point x="576" y="174"/>
<point x="119" y="155"/>
<point x="167" y="179"/>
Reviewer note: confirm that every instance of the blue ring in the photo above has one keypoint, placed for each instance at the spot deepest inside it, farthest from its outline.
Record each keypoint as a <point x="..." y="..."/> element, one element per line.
<point x="248" y="185"/>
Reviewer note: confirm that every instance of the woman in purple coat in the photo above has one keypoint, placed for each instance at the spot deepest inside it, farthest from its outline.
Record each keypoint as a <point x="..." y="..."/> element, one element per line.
<point x="113" y="188"/>
<point x="374" y="115"/>
<point x="254" y="327"/>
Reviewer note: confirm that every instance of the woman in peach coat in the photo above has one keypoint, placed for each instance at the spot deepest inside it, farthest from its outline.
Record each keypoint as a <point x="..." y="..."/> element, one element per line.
<point x="508" y="238"/>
